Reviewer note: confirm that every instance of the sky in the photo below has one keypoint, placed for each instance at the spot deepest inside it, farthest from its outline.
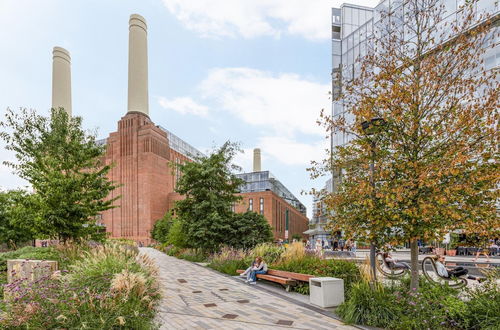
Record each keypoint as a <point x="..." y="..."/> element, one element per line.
<point x="255" y="72"/>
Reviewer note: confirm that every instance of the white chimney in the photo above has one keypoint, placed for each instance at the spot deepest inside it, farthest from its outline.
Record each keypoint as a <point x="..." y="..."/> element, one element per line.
<point x="61" y="79"/>
<point x="138" y="65"/>
<point x="256" y="160"/>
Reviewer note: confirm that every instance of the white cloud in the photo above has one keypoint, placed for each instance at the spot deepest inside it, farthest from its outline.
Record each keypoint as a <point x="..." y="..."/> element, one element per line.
<point x="184" y="105"/>
<point x="9" y="180"/>
<point x="292" y="152"/>
<point x="253" y="18"/>
<point x="286" y="103"/>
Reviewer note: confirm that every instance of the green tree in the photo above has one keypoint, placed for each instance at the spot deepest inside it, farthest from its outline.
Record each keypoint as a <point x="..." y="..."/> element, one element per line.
<point x="210" y="188"/>
<point x="177" y="234"/>
<point x="16" y="215"/>
<point x="248" y="230"/>
<point x="434" y="165"/>
<point x="62" y="163"/>
<point x="162" y="227"/>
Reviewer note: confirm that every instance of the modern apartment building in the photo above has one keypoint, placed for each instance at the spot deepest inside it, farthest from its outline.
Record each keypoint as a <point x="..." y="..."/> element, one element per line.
<point x="353" y="28"/>
<point x="266" y="195"/>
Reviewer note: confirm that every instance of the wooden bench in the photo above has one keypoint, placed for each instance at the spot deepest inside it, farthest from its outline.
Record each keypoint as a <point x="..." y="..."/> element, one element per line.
<point x="286" y="279"/>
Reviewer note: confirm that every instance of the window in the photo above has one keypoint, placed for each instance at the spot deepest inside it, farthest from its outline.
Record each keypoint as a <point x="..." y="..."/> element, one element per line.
<point x="261" y="206"/>
<point x="250" y="204"/>
<point x="233" y="207"/>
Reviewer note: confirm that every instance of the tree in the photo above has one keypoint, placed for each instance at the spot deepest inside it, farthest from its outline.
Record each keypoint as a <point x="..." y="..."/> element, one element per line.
<point x="63" y="165"/>
<point x="162" y="227"/>
<point x="210" y="191"/>
<point x="248" y="230"/>
<point x="177" y="235"/>
<point x="436" y="157"/>
<point x="16" y="214"/>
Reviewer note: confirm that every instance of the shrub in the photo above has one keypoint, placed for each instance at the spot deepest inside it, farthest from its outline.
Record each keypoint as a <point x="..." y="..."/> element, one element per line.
<point x="228" y="260"/>
<point x="162" y="227"/>
<point x="431" y="307"/>
<point x="99" y="266"/>
<point x="111" y="287"/>
<point x="346" y="270"/>
<point x="177" y="235"/>
<point x="367" y="305"/>
<point x="483" y="307"/>
<point x="172" y="250"/>
<point x="294" y="251"/>
<point x="270" y="252"/>
<point x="248" y="230"/>
<point x="192" y="255"/>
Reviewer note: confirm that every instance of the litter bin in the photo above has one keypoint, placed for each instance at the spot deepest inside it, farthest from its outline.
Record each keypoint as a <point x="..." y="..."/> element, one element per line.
<point x="326" y="291"/>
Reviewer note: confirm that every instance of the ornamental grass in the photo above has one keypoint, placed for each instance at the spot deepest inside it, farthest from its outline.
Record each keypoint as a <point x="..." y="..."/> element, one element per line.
<point x="109" y="286"/>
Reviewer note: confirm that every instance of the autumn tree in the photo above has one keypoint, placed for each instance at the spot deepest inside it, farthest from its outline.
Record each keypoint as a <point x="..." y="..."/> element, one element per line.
<point x="434" y="156"/>
<point x="62" y="162"/>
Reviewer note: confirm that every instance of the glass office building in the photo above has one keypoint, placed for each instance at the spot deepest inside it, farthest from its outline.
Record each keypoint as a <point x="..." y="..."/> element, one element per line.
<point x="353" y="28"/>
<point x="265" y="181"/>
<point x="353" y="31"/>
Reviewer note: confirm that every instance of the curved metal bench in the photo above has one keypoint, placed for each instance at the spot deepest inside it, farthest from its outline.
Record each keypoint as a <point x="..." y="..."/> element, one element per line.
<point x="394" y="272"/>
<point x="455" y="282"/>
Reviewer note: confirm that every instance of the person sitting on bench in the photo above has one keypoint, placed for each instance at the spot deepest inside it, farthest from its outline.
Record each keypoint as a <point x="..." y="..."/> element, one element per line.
<point x="249" y="269"/>
<point x="259" y="268"/>
<point x="393" y="263"/>
<point x="446" y="272"/>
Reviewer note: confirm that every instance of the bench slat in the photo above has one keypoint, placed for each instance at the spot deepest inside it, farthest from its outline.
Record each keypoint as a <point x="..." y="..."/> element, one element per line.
<point x="277" y="279"/>
<point x="282" y="277"/>
<point x="290" y="275"/>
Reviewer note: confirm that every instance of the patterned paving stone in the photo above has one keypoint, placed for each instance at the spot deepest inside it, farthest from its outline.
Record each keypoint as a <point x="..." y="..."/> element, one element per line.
<point x="194" y="297"/>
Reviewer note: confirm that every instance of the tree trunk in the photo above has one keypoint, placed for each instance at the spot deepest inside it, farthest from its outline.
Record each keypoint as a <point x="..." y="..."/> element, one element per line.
<point x="372" y="261"/>
<point x="414" y="264"/>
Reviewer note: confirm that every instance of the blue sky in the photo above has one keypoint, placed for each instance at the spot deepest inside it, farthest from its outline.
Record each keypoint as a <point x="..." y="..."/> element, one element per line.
<point x="250" y="71"/>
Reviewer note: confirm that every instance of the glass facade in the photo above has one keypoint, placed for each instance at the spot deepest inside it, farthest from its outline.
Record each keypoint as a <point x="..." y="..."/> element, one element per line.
<point x="265" y="181"/>
<point x="181" y="146"/>
<point x="353" y="28"/>
<point x="175" y="142"/>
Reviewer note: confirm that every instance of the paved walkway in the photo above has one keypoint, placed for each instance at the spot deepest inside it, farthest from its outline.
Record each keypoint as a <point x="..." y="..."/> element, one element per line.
<point x="198" y="298"/>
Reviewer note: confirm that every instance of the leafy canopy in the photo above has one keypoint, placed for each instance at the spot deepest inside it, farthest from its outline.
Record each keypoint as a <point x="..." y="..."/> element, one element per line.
<point x="436" y="158"/>
<point x="62" y="163"/>
<point x="162" y="227"/>
<point x="210" y="189"/>
<point x="16" y="214"/>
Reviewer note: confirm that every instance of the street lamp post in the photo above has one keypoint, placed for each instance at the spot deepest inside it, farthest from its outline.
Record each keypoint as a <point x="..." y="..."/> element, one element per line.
<point x="370" y="128"/>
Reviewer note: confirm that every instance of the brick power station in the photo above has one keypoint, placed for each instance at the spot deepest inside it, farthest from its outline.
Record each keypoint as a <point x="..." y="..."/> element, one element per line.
<point x="142" y="153"/>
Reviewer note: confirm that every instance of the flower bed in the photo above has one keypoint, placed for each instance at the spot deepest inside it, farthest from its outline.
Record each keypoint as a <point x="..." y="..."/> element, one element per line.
<point x="108" y="286"/>
<point x="429" y="307"/>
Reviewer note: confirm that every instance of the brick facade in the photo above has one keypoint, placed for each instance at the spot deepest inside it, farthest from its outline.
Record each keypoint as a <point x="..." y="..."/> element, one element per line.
<point x="275" y="211"/>
<point x="140" y="153"/>
<point x="143" y="165"/>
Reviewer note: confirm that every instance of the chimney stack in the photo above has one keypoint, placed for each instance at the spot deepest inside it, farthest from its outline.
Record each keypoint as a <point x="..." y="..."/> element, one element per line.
<point x="138" y="65"/>
<point x="61" y="79"/>
<point x="256" y="160"/>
